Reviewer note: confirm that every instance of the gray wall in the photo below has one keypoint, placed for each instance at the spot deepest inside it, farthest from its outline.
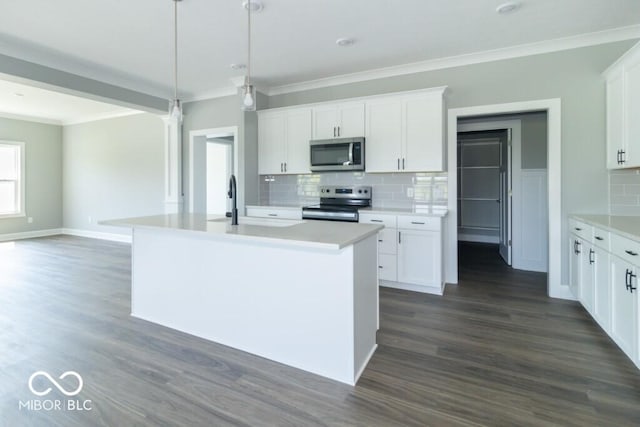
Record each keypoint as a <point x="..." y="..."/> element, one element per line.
<point x="43" y="174"/>
<point x="113" y="168"/>
<point x="225" y="112"/>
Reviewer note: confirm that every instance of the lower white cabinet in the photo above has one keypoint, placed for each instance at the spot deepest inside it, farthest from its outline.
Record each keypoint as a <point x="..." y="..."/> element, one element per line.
<point x="409" y="251"/>
<point x="274" y="212"/>
<point x="624" y="301"/>
<point x="603" y="269"/>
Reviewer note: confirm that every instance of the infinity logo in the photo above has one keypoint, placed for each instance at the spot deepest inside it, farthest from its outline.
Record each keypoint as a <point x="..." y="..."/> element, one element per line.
<point x="58" y="386"/>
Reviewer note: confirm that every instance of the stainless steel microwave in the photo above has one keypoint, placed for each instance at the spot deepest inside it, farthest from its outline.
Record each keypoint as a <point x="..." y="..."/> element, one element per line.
<point x="342" y="154"/>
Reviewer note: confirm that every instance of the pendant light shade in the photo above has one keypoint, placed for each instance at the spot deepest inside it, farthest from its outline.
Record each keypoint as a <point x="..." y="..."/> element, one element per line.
<point x="248" y="91"/>
<point x="175" y="106"/>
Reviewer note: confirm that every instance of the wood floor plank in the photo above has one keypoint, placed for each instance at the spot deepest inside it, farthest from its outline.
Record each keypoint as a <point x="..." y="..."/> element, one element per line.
<point x="493" y="351"/>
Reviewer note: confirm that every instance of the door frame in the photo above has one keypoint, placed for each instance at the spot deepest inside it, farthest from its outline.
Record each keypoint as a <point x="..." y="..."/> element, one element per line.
<point x="553" y="107"/>
<point x="201" y="135"/>
<point x="514" y="173"/>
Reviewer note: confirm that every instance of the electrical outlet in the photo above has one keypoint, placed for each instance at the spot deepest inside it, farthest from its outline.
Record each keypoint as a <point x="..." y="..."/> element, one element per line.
<point x="410" y="192"/>
<point x="30" y="220"/>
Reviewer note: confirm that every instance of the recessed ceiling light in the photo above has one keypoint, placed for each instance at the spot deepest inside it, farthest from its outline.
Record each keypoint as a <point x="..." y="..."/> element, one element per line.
<point x="19" y="94"/>
<point x="256" y="5"/>
<point x="508" y="7"/>
<point x="238" y="66"/>
<point x="343" y="42"/>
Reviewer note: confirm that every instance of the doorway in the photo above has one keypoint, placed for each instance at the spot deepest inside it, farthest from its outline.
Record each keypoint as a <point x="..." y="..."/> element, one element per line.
<point x="484" y="188"/>
<point x="219" y="167"/>
<point x="552" y="196"/>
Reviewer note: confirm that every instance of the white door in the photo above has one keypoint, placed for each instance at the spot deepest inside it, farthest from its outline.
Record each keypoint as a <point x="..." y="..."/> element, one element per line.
<point x="422" y="126"/>
<point x="574" y="266"/>
<point x="602" y="289"/>
<point x="505" y="199"/>
<point x="219" y="169"/>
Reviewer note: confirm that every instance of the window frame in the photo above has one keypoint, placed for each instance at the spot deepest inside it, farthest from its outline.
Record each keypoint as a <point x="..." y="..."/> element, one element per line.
<point x="21" y="180"/>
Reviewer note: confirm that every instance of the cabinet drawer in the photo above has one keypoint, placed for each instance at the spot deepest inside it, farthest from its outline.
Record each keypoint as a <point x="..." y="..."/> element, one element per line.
<point x="387" y="267"/>
<point x="601" y="239"/>
<point x="387" y="241"/>
<point x="627" y="249"/>
<point x="419" y="223"/>
<point x="274" y="213"/>
<point x="388" y="221"/>
<point x="580" y="229"/>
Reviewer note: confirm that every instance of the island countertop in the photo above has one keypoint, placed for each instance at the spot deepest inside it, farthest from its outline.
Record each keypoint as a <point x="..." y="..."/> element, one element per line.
<point x="305" y="233"/>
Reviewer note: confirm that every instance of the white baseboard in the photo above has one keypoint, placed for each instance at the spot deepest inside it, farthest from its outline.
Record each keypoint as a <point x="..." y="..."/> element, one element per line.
<point x="30" y="234"/>
<point x="478" y="238"/>
<point x="415" y="288"/>
<point x="115" y="237"/>
<point x="562" y="292"/>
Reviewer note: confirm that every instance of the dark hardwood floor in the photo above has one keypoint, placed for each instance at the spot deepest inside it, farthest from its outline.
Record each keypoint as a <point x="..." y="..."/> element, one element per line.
<point x="493" y="351"/>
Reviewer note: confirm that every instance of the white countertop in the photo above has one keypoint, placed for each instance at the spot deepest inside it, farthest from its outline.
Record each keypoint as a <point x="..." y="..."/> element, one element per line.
<point x="282" y="206"/>
<point x="627" y="226"/>
<point x="310" y="234"/>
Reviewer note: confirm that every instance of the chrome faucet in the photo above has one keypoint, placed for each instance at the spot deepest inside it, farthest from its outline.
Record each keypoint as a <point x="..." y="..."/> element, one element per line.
<point x="233" y="195"/>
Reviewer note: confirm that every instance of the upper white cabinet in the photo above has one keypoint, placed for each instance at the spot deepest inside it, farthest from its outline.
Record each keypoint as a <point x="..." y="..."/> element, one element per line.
<point x="623" y="109"/>
<point x="344" y="120"/>
<point x="404" y="132"/>
<point x="283" y="141"/>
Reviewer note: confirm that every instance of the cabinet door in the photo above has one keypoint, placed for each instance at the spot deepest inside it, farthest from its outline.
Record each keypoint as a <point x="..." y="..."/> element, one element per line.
<point x="298" y="136"/>
<point x="574" y="266"/>
<point x="384" y="135"/>
<point x="615" y="133"/>
<point x="351" y="120"/>
<point x="387" y="269"/>
<point x="419" y="257"/>
<point x="632" y="111"/>
<point x="623" y="306"/>
<point x="423" y="134"/>
<point x="325" y="122"/>
<point x="587" y="273"/>
<point x="387" y="241"/>
<point x="271" y="143"/>
<point x="602" y="289"/>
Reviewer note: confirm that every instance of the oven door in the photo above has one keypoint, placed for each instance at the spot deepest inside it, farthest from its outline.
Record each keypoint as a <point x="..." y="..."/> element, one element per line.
<point x="336" y="155"/>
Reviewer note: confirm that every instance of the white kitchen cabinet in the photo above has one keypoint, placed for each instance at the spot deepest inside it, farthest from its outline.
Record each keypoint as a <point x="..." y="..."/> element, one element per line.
<point x="419" y="257"/>
<point x="283" y="141"/>
<point x="274" y="212"/>
<point x="409" y="251"/>
<point x="624" y="302"/>
<point x="575" y="263"/>
<point x="342" y="120"/>
<point x="587" y="275"/>
<point x="623" y="110"/>
<point x="405" y="132"/>
<point x="601" y="282"/>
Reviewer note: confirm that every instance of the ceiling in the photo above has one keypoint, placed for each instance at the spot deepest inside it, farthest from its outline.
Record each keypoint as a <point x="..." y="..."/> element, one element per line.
<point x="129" y="43"/>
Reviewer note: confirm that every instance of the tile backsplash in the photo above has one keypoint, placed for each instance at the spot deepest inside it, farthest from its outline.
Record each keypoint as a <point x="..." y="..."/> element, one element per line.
<point x="390" y="190"/>
<point x="624" y="192"/>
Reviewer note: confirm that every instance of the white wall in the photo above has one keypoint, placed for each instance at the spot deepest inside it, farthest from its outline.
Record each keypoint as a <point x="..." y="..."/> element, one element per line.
<point x="112" y="168"/>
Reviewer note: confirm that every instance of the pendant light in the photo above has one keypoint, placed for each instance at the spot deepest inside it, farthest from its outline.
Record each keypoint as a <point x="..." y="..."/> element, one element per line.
<point x="248" y="91"/>
<point x="175" y="106"/>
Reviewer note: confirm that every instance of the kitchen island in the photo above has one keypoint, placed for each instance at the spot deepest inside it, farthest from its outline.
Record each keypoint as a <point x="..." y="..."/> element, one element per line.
<point x="302" y="293"/>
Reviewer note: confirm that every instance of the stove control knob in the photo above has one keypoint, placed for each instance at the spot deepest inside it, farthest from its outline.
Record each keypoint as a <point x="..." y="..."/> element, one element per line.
<point x="360" y="191"/>
<point x="366" y="191"/>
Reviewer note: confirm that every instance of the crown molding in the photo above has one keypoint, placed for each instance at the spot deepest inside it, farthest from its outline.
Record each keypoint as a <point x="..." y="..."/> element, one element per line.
<point x="215" y="93"/>
<point x="547" y="46"/>
<point x="27" y="118"/>
<point x="103" y="116"/>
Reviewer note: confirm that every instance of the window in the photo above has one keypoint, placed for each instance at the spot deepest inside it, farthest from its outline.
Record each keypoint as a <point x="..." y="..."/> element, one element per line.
<point x="11" y="179"/>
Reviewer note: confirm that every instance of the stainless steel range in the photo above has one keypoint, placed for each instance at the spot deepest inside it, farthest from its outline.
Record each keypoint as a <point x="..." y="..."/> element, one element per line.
<point x="339" y="203"/>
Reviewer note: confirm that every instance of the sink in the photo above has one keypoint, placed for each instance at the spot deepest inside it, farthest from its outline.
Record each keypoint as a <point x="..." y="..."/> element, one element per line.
<point x="262" y="222"/>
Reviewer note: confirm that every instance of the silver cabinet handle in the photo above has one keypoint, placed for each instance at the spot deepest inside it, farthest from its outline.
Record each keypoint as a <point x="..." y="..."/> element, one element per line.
<point x="334" y="131"/>
<point x="599" y="238"/>
<point x="416" y="222"/>
<point x="272" y="214"/>
<point x="285" y="166"/>
<point x="398" y="163"/>
<point x="379" y="266"/>
<point x="399" y="236"/>
<point x="281" y="168"/>
<point x="578" y="229"/>
<point x="338" y="130"/>
<point x="403" y="163"/>
<point x="375" y="220"/>
<point x="632" y="253"/>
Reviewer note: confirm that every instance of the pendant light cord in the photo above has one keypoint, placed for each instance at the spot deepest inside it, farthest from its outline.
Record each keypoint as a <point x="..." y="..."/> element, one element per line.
<point x="249" y="42"/>
<point x="175" y="49"/>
